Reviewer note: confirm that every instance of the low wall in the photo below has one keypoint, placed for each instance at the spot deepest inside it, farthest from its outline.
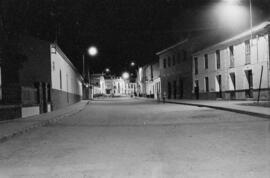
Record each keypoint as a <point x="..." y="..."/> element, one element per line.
<point x="236" y="95"/>
<point x="60" y="99"/>
<point x="9" y="112"/>
<point x="30" y="111"/>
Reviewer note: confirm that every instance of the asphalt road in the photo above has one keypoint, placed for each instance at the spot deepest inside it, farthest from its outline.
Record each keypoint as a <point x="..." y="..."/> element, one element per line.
<point x="131" y="138"/>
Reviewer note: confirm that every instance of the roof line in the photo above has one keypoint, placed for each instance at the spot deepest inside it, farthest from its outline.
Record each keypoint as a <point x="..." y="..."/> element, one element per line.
<point x="244" y="34"/>
<point x="171" y="47"/>
<point x="58" y="49"/>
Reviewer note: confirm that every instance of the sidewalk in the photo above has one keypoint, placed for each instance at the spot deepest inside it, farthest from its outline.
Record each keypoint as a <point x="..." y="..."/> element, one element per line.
<point x="237" y="106"/>
<point x="11" y="128"/>
<point x="234" y="106"/>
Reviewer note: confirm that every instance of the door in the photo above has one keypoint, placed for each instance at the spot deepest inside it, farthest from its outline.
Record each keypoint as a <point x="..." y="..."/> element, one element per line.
<point x="174" y="89"/>
<point x="169" y="90"/>
<point x="181" y="88"/>
<point x="249" y="76"/>
<point x="220" y="86"/>
<point x="44" y="97"/>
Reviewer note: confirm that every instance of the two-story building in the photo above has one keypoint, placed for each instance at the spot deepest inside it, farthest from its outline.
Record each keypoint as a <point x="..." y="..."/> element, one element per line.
<point x="237" y="68"/>
<point x="175" y="65"/>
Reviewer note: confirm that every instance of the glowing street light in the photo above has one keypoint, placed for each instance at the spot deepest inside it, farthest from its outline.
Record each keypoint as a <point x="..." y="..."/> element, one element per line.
<point x="132" y="64"/>
<point x="125" y="75"/>
<point x="231" y="14"/>
<point x="92" y="51"/>
<point x="107" y="70"/>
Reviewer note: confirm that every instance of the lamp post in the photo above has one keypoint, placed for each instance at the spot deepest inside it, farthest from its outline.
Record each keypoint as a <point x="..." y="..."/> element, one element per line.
<point x="250" y="17"/>
<point x="92" y="51"/>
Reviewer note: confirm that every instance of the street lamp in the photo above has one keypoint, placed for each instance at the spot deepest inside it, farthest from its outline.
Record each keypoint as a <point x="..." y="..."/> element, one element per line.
<point x="231" y="15"/>
<point x="107" y="70"/>
<point x="132" y="64"/>
<point x="234" y="2"/>
<point x="92" y="51"/>
<point x="125" y="75"/>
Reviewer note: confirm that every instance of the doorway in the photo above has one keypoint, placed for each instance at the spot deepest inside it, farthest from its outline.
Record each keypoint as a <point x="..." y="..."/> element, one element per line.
<point x="169" y="90"/>
<point x="219" y="81"/>
<point x="174" y="89"/>
<point x="249" y="91"/>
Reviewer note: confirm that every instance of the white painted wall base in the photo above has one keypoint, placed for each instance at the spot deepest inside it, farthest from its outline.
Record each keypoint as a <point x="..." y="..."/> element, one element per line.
<point x="30" y="111"/>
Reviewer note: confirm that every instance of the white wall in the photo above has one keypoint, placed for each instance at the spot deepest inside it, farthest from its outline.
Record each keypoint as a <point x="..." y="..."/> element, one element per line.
<point x="259" y="57"/>
<point x="71" y="81"/>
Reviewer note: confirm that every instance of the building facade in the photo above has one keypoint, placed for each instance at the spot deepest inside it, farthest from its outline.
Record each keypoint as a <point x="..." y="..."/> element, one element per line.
<point x="98" y="82"/>
<point x="175" y="65"/>
<point x="119" y="86"/>
<point x="148" y="81"/>
<point x="66" y="81"/>
<point x="45" y="81"/>
<point x="237" y="68"/>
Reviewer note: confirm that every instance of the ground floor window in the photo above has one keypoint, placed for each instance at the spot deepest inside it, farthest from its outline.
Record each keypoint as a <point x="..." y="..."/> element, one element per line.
<point x="232" y="84"/>
<point x="206" y="81"/>
<point x="219" y="83"/>
<point x="249" y="91"/>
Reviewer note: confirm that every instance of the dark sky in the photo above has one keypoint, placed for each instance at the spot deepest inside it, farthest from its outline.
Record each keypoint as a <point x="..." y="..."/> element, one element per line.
<point x="123" y="30"/>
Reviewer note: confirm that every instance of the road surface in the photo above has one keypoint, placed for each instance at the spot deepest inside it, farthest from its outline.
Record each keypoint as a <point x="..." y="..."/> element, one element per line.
<point x="134" y="138"/>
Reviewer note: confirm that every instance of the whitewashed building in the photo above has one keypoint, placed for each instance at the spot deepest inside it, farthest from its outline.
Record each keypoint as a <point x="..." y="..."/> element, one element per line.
<point x="148" y="81"/>
<point x="66" y="82"/>
<point x="98" y="83"/>
<point x="46" y="80"/>
<point x="237" y="68"/>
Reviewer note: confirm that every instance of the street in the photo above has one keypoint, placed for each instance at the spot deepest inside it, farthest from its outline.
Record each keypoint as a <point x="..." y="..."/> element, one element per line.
<point x="140" y="138"/>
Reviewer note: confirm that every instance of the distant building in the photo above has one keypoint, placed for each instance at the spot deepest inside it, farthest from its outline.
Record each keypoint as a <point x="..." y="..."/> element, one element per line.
<point x="46" y="80"/>
<point x="237" y="68"/>
<point x="119" y="86"/>
<point x="132" y="89"/>
<point x="109" y="85"/>
<point x="148" y="81"/>
<point x="98" y="81"/>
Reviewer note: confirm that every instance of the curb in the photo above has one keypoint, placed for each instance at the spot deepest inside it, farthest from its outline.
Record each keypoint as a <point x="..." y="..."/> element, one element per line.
<point x="224" y="109"/>
<point x="41" y="124"/>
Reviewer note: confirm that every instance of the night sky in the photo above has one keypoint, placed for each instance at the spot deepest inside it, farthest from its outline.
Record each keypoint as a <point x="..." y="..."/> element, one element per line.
<point x="123" y="30"/>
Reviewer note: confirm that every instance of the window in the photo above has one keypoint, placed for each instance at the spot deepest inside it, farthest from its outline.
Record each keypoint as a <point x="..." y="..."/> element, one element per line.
<point x="53" y="65"/>
<point x="219" y="82"/>
<point x="206" y="81"/>
<point x="218" y="59"/>
<point x="173" y="62"/>
<point x="247" y="51"/>
<point x="164" y="63"/>
<point x="232" y="75"/>
<point x="206" y="61"/>
<point x="231" y="56"/>
<point x="60" y="76"/>
<point x="169" y="61"/>
<point x="196" y="83"/>
<point x="196" y="65"/>
<point x="184" y="55"/>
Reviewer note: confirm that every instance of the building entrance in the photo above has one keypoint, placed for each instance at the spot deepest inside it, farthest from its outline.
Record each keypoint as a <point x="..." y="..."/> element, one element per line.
<point x="249" y="91"/>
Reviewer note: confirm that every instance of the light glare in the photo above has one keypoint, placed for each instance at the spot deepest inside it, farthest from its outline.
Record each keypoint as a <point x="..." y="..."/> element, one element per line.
<point x="92" y="51"/>
<point x="125" y="75"/>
